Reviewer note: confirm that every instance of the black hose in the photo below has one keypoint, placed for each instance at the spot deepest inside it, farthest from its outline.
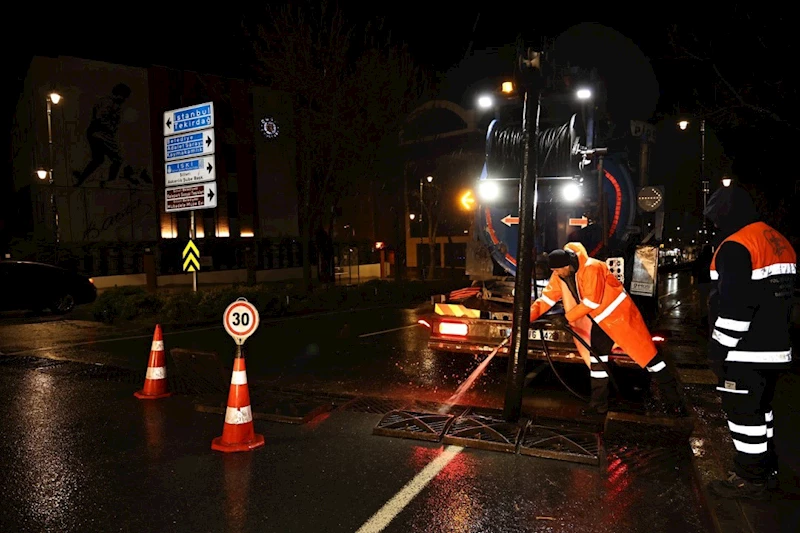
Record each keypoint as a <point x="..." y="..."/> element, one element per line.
<point x="591" y="351"/>
<point x="553" y="368"/>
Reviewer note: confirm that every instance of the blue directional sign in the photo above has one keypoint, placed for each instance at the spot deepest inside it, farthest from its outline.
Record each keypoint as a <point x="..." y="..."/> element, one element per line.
<point x="189" y="145"/>
<point x="188" y="171"/>
<point x="186" y="119"/>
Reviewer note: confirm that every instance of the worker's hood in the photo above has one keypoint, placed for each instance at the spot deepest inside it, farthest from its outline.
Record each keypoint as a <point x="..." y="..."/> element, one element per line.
<point x="731" y="209"/>
<point x="579" y="250"/>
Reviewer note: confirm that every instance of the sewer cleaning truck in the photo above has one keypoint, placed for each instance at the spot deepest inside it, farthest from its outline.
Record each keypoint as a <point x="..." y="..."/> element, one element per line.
<point x="477" y="318"/>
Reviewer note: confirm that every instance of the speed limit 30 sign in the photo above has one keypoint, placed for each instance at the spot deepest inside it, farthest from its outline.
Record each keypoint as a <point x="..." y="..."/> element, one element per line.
<point x="240" y="320"/>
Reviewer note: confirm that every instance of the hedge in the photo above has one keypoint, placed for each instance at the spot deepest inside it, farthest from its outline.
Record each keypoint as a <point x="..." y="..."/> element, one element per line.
<point x="271" y="300"/>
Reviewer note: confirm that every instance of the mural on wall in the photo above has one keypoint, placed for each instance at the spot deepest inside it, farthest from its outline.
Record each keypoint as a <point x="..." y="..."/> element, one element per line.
<point x="103" y="138"/>
<point x="103" y="157"/>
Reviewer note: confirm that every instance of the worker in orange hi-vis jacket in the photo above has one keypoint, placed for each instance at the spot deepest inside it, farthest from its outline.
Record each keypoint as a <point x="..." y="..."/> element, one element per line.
<point x="598" y="309"/>
<point x="754" y="275"/>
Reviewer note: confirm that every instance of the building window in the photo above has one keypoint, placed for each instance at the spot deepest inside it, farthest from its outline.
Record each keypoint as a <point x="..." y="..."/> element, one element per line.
<point x="455" y="254"/>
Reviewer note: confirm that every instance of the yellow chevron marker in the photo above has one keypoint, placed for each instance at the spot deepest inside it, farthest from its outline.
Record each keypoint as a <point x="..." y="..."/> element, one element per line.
<point x="456" y="310"/>
<point x="191" y="258"/>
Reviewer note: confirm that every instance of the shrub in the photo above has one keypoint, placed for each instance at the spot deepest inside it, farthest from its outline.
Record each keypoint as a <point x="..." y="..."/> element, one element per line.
<point x="271" y="299"/>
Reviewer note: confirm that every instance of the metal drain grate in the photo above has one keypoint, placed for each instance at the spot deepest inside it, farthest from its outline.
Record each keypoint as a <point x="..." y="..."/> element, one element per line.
<point x="278" y="406"/>
<point x="413" y="425"/>
<point x="555" y="439"/>
<point x="27" y="362"/>
<point x="379" y="406"/>
<point x="108" y="373"/>
<point x="483" y="429"/>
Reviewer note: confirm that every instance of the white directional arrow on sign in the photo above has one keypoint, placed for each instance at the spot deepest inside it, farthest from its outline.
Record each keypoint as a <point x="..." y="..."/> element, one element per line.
<point x="508" y="220"/>
<point x="191" y="197"/>
<point x="189" y="145"/>
<point x="188" y="171"/>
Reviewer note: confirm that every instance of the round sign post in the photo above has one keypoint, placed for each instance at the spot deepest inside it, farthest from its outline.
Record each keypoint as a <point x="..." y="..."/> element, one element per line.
<point x="240" y="320"/>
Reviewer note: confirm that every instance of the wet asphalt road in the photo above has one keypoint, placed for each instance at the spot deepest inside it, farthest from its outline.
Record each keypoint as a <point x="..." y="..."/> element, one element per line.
<point x="84" y="455"/>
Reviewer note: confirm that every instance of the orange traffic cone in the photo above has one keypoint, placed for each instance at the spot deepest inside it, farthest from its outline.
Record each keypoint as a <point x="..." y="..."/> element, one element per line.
<point x="155" y="382"/>
<point x="238" y="434"/>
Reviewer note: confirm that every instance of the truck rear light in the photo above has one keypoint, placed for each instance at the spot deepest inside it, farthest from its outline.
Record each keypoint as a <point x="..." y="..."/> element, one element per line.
<point x="453" y="328"/>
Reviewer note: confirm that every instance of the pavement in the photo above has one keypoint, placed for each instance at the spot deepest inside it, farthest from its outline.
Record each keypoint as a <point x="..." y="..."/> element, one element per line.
<point x="712" y="447"/>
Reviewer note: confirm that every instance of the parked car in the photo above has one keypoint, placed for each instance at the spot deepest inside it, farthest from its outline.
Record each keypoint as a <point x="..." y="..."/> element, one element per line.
<point x="37" y="286"/>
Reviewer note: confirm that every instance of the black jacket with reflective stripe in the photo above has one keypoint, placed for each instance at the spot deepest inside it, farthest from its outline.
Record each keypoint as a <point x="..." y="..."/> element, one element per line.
<point x="753" y="275"/>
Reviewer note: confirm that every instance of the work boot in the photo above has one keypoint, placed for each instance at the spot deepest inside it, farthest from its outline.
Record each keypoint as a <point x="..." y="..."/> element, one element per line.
<point x="738" y="487"/>
<point x="599" y="400"/>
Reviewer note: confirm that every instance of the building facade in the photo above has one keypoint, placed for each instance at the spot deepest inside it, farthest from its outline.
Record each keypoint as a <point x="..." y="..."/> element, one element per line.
<point x="103" y="140"/>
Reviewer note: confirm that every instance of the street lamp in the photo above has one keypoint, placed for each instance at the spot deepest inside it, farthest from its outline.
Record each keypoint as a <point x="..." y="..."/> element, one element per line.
<point x="683" y="124"/>
<point x="726" y="181"/>
<point x="52" y="99"/>
<point x="583" y="94"/>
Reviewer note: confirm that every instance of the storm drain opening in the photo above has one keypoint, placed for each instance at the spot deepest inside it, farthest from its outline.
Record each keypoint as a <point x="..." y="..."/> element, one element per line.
<point x="278" y="406"/>
<point x="413" y="425"/>
<point x="484" y="429"/>
<point x="563" y="441"/>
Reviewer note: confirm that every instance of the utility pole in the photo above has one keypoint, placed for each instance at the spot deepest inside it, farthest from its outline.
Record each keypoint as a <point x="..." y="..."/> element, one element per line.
<point x="529" y="181"/>
<point x="703" y="176"/>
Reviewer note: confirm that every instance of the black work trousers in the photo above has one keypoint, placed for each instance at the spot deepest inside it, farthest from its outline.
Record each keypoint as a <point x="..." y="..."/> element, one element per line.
<point x="747" y="395"/>
<point x="602" y="344"/>
<point x="657" y="368"/>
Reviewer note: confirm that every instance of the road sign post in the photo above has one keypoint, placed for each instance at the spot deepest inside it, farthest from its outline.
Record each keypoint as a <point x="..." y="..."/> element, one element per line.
<point x="190" y="170"/>
<point x="240" y="321"/>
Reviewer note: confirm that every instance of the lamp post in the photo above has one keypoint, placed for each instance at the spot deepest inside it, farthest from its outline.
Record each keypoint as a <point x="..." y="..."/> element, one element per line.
<point x="683" y="124"/>
<point x="53" y="98"/>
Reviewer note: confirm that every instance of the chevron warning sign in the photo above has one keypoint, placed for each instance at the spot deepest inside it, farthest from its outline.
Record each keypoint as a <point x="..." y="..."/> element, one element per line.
<point x="191" y="258"/>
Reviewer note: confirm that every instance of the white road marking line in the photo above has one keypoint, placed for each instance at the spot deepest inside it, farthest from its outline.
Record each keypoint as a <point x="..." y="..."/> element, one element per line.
<point x="393" y="507"/>
<point x="386" y="331"/>
<point x="185" y="331"/>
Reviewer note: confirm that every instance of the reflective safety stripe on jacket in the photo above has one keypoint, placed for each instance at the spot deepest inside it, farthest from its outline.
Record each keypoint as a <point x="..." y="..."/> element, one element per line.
<point x="603" y="298"/>
<point x="752" y="318"/>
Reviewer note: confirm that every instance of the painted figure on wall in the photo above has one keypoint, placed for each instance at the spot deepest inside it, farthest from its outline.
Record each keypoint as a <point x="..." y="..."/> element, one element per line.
<point x="103" y="137"/>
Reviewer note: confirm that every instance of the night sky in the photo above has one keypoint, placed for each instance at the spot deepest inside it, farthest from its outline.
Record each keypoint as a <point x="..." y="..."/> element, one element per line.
<point x="630" y="51"/>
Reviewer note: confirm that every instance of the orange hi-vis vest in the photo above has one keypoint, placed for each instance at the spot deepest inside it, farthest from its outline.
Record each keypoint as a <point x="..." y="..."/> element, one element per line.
<point x="603" y="298"/>
<point x="750" y="313"/>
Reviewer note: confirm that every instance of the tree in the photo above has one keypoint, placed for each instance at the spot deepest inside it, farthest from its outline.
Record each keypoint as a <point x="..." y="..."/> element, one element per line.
<point x="350" y="85"/>
<point x="740" y="81"/>
<point x="448" y="170"/>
